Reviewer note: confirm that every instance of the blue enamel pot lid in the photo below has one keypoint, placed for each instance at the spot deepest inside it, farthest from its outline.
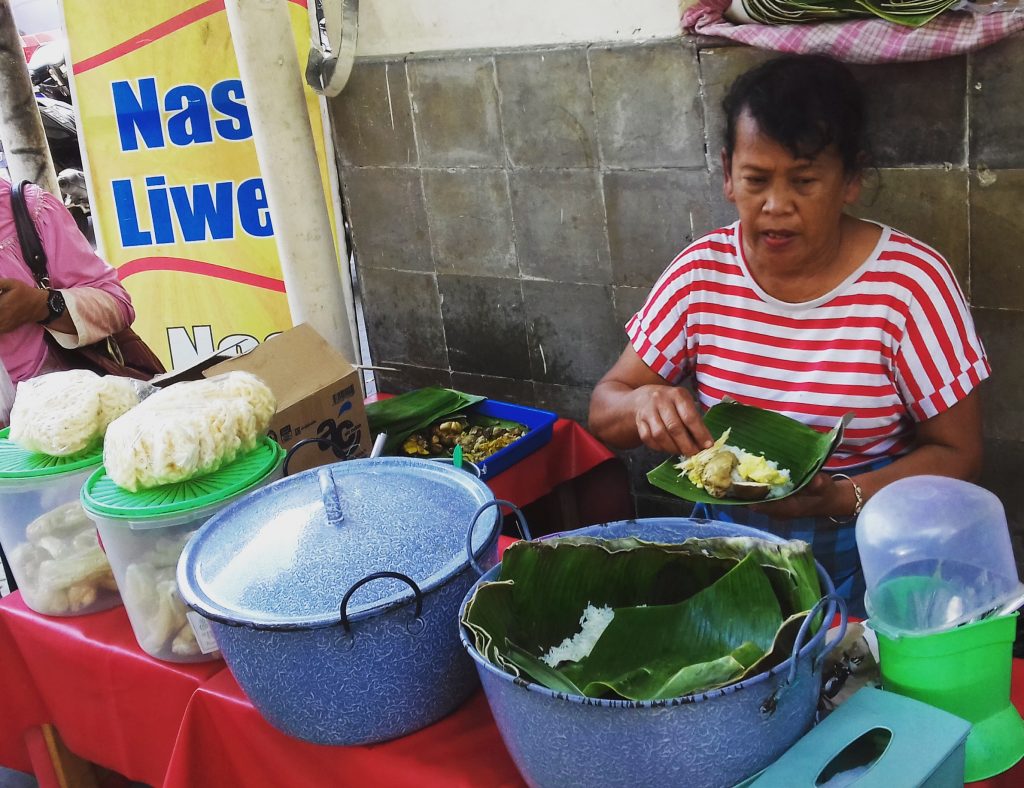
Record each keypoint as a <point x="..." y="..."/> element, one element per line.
<point x="283" y="556"/>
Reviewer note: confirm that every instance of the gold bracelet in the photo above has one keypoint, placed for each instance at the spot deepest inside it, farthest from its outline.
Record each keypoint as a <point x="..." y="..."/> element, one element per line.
<point x="858" y="494"/>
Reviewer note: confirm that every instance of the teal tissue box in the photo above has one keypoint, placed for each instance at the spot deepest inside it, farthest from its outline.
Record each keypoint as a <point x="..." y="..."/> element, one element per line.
<point x="878" y="739"/>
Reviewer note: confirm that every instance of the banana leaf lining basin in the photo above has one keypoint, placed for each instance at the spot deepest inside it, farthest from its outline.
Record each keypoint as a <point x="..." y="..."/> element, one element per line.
<point x="711" y="739"/>
<point x="332" y="594"/>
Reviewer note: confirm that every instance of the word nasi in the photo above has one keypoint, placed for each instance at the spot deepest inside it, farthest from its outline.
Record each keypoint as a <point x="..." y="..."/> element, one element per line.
<point x="184" y="116"/>
<point x="188" y="348"/>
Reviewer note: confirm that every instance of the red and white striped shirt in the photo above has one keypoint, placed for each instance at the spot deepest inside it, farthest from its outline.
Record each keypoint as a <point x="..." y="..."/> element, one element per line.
<point x="894" y="343"/>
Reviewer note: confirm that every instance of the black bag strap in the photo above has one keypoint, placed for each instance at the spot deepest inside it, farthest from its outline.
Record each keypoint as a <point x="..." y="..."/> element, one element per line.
<point x="31" y="247"/>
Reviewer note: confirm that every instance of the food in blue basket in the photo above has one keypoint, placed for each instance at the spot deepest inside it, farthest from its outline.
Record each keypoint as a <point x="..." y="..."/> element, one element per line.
<point x="634" y="620"/>
<point x="64" y="413"/>
<point x="479" y="438"/>
<point x="187" y="430"/>
<point x="723" y="470"/>
<point x="61" y="568"/>
<point x="151" y="597"/>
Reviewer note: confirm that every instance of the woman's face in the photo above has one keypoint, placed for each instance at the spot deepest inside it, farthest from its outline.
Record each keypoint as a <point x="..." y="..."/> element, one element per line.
<point x="790" y="208"/>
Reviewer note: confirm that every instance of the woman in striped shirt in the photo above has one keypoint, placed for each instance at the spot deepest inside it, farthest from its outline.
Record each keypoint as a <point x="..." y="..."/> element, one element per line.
<point x="802" y="309"/>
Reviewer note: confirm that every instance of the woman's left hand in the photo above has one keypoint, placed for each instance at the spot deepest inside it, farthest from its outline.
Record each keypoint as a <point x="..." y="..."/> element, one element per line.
<point x="20" y="303"/>
<point x="822" y="497"/>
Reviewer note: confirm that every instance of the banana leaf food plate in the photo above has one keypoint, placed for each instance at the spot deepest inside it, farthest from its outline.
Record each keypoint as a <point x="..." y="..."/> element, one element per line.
<point x="779" y="439"/>
<point x="407" y="413"/>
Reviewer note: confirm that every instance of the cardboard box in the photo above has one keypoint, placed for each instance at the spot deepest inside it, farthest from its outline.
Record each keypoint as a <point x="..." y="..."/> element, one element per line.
<point x="319" y="394"/>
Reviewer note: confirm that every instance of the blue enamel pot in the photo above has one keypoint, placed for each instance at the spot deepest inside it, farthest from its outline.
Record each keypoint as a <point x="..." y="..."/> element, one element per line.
<point x="712" y="739"/>
<point x="333" y="594"/>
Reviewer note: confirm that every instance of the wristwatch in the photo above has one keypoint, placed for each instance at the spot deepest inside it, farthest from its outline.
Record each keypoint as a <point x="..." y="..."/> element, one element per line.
<point x="55" y="305"/>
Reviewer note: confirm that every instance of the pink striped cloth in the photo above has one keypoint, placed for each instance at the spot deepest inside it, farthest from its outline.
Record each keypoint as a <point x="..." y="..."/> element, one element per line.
<point x="861" y="40"/>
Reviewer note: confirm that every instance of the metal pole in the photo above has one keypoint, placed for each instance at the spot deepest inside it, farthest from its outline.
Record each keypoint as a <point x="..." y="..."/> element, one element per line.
<point x="21" y="129"/>
<point x="269" y="66"/>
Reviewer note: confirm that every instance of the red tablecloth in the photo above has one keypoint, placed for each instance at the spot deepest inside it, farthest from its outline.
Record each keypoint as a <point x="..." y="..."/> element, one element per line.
<point x="225" y="742"/>
<point x="112" y="703"/>
<point x="571" y="453"/>
<point x="189" y="725"/>
<point x="21" y="707"/>
<point x="144" y="729"/>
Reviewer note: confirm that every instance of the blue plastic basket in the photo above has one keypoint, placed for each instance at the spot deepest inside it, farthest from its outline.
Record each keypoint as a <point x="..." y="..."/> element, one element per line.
<point x="539" y="422"/>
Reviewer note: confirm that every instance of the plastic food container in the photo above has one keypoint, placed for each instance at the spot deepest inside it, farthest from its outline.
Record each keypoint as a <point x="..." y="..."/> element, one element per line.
<point x="539" y="423"/>
<point x="49" y="541"/>
<point x="334" y="594"/>
<point x="144" y="533"/>
<point x="936" y="553"/>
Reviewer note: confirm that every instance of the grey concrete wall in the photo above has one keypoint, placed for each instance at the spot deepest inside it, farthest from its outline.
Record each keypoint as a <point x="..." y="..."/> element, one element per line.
<point x="510" y="210"/>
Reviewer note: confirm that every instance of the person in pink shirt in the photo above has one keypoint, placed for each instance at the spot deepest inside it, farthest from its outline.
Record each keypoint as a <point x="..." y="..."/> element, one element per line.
<point x="84" y="304"/>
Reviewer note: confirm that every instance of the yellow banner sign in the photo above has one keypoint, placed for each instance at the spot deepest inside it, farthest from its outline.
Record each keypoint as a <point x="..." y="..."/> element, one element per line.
<point x="178" y="202"/>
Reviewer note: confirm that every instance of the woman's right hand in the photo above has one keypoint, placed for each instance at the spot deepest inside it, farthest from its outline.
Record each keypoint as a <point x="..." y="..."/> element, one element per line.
<point x="632" y="405"/>
<point x="668" y="420"/>
<point x="20" y="304"/>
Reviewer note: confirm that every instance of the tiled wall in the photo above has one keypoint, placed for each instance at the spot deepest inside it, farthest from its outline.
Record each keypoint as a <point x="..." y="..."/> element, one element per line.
<point x="510" y="210"/>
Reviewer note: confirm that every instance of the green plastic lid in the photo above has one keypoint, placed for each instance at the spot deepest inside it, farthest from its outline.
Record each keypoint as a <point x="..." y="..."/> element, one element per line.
<point x="101" y="496"/>
<point x="16" y="463"/>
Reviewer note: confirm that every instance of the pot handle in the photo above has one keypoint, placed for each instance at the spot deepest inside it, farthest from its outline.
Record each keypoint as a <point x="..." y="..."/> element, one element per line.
<point x="524" y="529"/>
<point x="329" y="496"/>
<point x="844" y="620"/>
<point x="806" y="626"/>
<point x="768" y="706"/>
<point x="320" y="442"/>
<point x="347" y="626"/>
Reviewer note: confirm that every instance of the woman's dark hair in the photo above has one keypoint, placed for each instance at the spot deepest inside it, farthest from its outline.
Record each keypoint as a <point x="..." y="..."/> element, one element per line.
<point x="803" y="102"/>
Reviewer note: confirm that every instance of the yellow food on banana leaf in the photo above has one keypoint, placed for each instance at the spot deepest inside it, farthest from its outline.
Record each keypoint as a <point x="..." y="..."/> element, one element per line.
<point x="724" y="471"/>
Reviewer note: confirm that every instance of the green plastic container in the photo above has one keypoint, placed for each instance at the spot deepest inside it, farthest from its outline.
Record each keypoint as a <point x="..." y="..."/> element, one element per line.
<point x="144" y="533"/>
<point x="965" y="671"/>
